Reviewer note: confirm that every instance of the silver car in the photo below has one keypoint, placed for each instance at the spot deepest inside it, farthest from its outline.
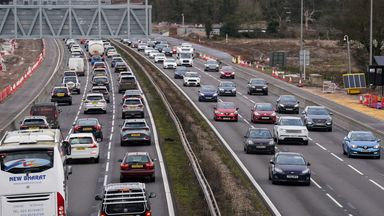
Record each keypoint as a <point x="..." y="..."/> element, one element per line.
<point x="132" y="107"/>
<point x="135" y="131"/>
<point x="95" y="102"/>
<point x="103" y="90"/>
<point x="73" y="83"/>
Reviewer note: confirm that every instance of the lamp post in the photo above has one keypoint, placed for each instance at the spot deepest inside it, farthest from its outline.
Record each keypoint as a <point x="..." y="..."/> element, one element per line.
<point x="301" y="33"/>
<point x="370" y="34"/>
<point x="346" y="38"/>
<point x="182" y="22"/>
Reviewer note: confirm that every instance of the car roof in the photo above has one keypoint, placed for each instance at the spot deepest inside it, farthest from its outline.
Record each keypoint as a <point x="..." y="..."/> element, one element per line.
<point x="100" y="77"/>
<point x="257" y="79"/>
<point x="315" y="107"/>
<point x="45" y="104"/>
<point x="262" y="103"/>
<point x="225" y="102"/>
<point x="80" y="135"/>
<point x="122" y="186"/>
<point x="87" y="119"/>
<point x="370" y="132"/>
<point x="290" y="153"/>
<point x="192" y="72"/>
<point x="99" y="87"/>
<point x="132" y="99"/>
<point x="134" y="120"/>
<point x="35" y="117"/>
<point x="60" y="87"/>
<point x="289" y="117"/>
<point x="137" y="153"/>
<point x="226" y="82"/>
<point x="133" y="91"/>
<point x="94" y="94"/>
<point x="253" y="129"/>
<point x="128" y="76"/>
<point x="121" y="63"/>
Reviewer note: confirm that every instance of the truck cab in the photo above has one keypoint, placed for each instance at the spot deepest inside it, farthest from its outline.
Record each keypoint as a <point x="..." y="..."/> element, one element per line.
<point x="184" y="56"/>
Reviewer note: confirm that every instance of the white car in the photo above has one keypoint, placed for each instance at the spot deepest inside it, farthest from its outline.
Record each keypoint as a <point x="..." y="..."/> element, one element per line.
<point x="153" y="53"/>
<point x="290" y="129"/>
<point x="125" y="73"/>
<point x="95" y="102"/>
<point x="169" y="63"/>
<point x="141" y="46"/>
<point x="111" y="52"/>
<point x="73" y="83"/>
<point x="147" y="50"/>
<point x="160" y="57"/>
<point x="191" y="78"/>
<point x="84" y="146"/>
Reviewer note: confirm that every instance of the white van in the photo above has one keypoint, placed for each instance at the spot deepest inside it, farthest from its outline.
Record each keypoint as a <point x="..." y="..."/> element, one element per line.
<point x="33" y="175"/>
<point x="77" y="64"/>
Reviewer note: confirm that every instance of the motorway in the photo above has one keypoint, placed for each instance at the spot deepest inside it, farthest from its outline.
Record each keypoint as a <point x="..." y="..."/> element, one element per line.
<point x="340" y="185"/>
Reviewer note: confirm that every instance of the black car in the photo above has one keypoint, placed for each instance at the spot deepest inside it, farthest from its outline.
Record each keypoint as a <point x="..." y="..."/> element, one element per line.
<point x="211" y="65"/>
<point x="61" y="95"/>
<point x="317" y="117"/>
<point x="259" y="140"/>
<point x="180" y="71"/>
<point x="207" y="93"/>
<point x="289" y="167"/>
<point x="287" y="104"/>
<point x="89" y="125"/>
<point x="160" y="47"/>
<point x="257" y="86"/>
<point x="101" y="81"/>
<point x="227" y="88"/>
<point x="167" y="51"/>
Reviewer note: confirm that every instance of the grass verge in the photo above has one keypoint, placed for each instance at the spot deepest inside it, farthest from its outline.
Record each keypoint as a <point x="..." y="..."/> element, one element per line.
<point x="186" y="191"/>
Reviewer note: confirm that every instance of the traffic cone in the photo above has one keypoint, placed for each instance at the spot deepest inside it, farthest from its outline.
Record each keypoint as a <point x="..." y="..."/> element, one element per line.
<point x="300" y="84"/>
<point x="283" y="76"/>
<point x="290" y="79"/>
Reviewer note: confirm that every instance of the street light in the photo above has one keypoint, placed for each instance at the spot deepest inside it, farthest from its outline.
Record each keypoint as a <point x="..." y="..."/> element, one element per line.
<point x="182" y="23"/>
<point x="301" y="33"/>
<point x="346" y="38"/>
<point x="370" y="34"/>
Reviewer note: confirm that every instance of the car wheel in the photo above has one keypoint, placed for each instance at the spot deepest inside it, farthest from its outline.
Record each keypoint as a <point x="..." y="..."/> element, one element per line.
<point x="272" y="152"/>
<point x="123" y="116"/>
<point x="142" y="115"/>
<point x="199" y="99"/>
<point x="70" y="103"/>
<point x="96" y="160"/>
<point x="247" y="150"/>
<point x="105" y="112"/>
<point x="378" y="157"/>
<point x="85" y="112"/>
<point x="297" y="112"/>
<point x="308" y="183"/>
<point x="269" y="176"/>
<point x="349" y="154"/>
<point x="266" y="93"/>
<point x="122" y="179"/>
<point x="305" y="142"/>
<point x="122" y="143"/>
<point x="330" y="129"/>
<point x="344" y="152"/>
<point x="152" y="178"/>
<point x="248" y="92"/>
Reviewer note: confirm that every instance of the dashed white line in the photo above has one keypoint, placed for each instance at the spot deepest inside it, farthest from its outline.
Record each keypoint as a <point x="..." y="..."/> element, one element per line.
<point x="356" y="170"/>
<point x="336" y="157"/>
<point x="310" y="138"/>
<point x="314" y="182"/>
<point x="246" y="121"/>
<point x="107" y="166"/>
<point x="334" y="200"/>
<point x="110" y="137"/>
<point x="108" y="155"/>
<point x="321" y="146"/>
<point x="377" y="184"/>
<point x="105" y="180"/>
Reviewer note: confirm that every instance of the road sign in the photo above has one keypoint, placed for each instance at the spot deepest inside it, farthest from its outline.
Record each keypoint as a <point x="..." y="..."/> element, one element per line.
<point x="305" y="59"/>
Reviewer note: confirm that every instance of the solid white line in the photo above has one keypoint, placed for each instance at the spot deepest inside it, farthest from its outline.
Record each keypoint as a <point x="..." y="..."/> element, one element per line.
<point x="377" y="184"/>
<point x="246" y="121"/>
<point x="252" y="101"/>
<point x="337" y="157"/>
<point x="310" y="138"/>
<point x="334" y="200"/>
<point x="350" y="166"/>
<point x="107" y="166"/>
<point x="317" y="185"/>
<point x="321" y="146"/>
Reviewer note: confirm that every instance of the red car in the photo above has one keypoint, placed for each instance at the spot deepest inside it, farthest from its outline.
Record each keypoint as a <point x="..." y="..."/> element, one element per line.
<point x="263" y="112"/>
<point x="227" y="72"/>
<point x="225" y="111"/>
<point x="137" y="164"/>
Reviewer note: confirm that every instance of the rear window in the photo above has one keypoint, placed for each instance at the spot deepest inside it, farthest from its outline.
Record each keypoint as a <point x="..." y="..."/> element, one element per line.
<point x="99" y="90"/>
<point x="137" y="159"/>
<point x="95" y="97"/>
<point x="87" y="122"/>
<point x="26" y="161"/>
<point x="34" y="122"/>
<point x="125" y="208"/>
<point x="132" y="102"/>
<point x="70" y="79"/>
<point x="135" y="125"/>
<point x="100" y="79"/>
<point x="43" y="109"/>
<point x="80" y="140"/>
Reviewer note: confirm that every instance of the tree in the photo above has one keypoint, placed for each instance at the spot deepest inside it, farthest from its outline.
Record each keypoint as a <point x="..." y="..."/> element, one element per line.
<point x="208" y="28"/>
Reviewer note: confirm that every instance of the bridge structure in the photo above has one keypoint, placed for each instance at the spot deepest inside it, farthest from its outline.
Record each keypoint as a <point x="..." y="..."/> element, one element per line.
<point x="33" y="19"/>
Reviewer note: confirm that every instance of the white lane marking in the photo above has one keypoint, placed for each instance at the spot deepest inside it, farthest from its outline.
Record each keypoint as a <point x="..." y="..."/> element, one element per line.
<point x="321" y="146"/>
<point x="314" y="182"/>
<point x="109" y="146"/>
<point x="334" y="200"/>
<point x="252" y="101"/>
<point x="336" y="157"/>
<point x="105" y="179"/>
<point x="377" y="184"/>
<point x="246" y="121"/>
<point x="310" y="138"/>
<point x="108" y="155"/>
<point x="107" y="167"/>
<point x="110" y="137"/>
<point x="356" y="170"/>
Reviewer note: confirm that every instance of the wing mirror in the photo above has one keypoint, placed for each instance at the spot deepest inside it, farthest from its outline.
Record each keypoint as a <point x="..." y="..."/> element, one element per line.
<point x="330" y="113"/>
<point x="308" y="164"/>
<point x="378" y="140"/>
<point x="152" y="195"/>
<point x="98" y="197"/>
<point x="214" y="107"/>
<point x="271" y="162"/>
<point x="69" y="170"/>
<point x="120" y="160"/>
<point x="303" y="112"/>
<point x="66" y="147"/>
<point x="237" y="108"/>
<point x="245" y="136"/>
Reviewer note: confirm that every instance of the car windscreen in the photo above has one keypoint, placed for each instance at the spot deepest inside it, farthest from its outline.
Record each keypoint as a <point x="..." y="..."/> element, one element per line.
<point x="120" y="64"/>
<point x="226" y="105"/>
<point x="26" y="160"/>
<point x="291" y="122"/>
<point x="185" y="55"/>
<point x="96" y="58"/>
<point x="227" y="68"/>
<point x="290" y="160"/>
<point x="70" y="79"/>
<point x="132" y="102"/>
<point x="260" y="134"/>
<point x="66" y="74"/>
<point x="317" y="111"/>
<point x="192" y="75"/>
<point x="133" y="125"/>
<point x="288" y="99"/>
<point x="99" y="72"/>
<point x="208" y="88"/>
<point x="99" y="90"/>
<point x="94" y="98"/>
<point x="36" y="110"/>
<point x="124" y="208"/>
<point x="80" y="140"/>
<point x="117" y="60"/>
<point x="99" y="64"/>
<point x="137" y="159"/>
<point x="258" y="82"/>
<point x="264" y="107"/>
<point x="362" y="137"/>
<point x="100" y="79"/>
<point x="33" y="122"/>
<point x="227" y="84"/>
<point x="87" y="122"/>
<point x="170" y="60"/>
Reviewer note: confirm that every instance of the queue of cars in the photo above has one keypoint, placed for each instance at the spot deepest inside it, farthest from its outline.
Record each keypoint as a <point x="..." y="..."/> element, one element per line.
<point x="287" y="129"/>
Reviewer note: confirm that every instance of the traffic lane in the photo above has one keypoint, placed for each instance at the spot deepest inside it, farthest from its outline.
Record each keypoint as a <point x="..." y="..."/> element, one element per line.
<point x="30" y="88"/>
<point x="233" y="133"/>
<point x="157" y="204"/>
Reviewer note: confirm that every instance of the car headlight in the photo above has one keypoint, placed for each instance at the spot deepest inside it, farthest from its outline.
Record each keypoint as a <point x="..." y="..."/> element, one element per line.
<point x="221" y="89"/>
<point x="215" y="94"/>
<point x="201" y="94"/>
<point x="271" y="142"/>
<point x="256" y="113"/>
<point x="217" y="112"/>
<point x="296" y="105"/>
<point x="273" y="114"/>
<point x="235" y="112"/>
<point x="282" y="105"/>
<point x="278" y="170"/>
<point x="305" y="171"/>
<point x="249" y="142"/>
<point x="354" y="146"/>
<point x="264" y="87"/>
<point x="376" y="146"/>
<point x="234" y="89"/>
<point x="309" y="122"/>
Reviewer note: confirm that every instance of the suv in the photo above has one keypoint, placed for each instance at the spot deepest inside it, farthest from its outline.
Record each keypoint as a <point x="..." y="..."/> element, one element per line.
<point x="125" y="199"/>
<point x="101" y="81"/>
<point x="73" y="83"/>
<point x="317" y="117"/>
<point x="290" y="129"/>
<point x="34" y="122"/>
<point x="120" y="66"/>
<point x="95" y="102"/>
<point x="61" y="95"/>
<point x="127" y="83"/>
<point x="132" y="107"/>
<point x="49" y="110"/>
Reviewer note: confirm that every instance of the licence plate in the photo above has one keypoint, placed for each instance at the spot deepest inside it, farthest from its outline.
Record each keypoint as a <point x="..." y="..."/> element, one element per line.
<point x="264" y="117"/>
<point x="208" y="97"/>
<point x="289" y="109"/>
<point x="135" y="135"/>
<point x="94" y="102"/>
<point x="33" y="127"/>
<point x="137" y="166"/>
<point x="87" y="129"/>
<point x="225" y="118"/>
<point x="60" y="94"/>
<point x="261" y="147"/>
<point x="292" y="176"/>
<point x="80" y="148"/>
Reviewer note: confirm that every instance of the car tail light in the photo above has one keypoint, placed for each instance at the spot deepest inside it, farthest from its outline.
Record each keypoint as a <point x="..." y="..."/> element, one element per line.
<point x="256" y="113"/>
<point x="22" y="127"/>
<point x="76" y="128"/>
<point x="149" y="165"/>
<point x="102" y="214"/>
<point x="140" y="106"/>
<point x="148" y="213"/>
<point x="60" y="205"/>
<point x="124" y="166"/>
<point x="93" y="146"/>
<point x="98" y="127"/>
<point x="125" y="106"/>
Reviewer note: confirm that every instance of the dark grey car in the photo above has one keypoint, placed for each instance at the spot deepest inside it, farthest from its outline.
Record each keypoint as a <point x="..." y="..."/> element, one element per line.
<point x="227" y="88"/>
<point x="287" y="104"/>
<point x="135" y="131"/>
<point x="317" y="117"/>
<point x="257" y="86"/>
<point x="259" y="140"/>
<point x="180" y="71"/>
<point x="211" y="65"/>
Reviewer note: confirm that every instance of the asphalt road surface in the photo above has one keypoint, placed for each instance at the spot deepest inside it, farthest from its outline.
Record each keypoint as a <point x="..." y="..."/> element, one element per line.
<point x="340" y="185"/>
